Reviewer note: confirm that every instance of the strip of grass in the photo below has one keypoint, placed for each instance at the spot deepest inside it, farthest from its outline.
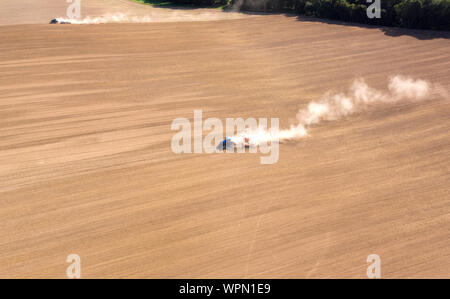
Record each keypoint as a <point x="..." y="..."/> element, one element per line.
<point x="155" y="2"/>
<point x="168" y="3"/>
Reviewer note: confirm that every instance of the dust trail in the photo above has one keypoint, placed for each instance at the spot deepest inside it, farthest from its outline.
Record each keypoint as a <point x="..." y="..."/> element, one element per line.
<point x="175" y="16"/>
<point x="336" y="106"/>
<point x="113" y="18"/>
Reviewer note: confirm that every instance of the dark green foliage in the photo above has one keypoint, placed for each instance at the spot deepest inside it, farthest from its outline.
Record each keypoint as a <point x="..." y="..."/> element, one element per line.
<point x="409" y="12"/>
<point x="433" y="14"/>
<point x="423" y="14"/>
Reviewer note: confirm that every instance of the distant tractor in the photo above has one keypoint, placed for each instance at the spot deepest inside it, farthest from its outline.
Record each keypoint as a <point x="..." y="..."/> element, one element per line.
<point x="56" y="21"/>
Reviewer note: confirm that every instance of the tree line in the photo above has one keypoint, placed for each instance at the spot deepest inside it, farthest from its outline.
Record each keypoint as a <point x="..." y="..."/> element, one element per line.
<point x="420" y="14"/>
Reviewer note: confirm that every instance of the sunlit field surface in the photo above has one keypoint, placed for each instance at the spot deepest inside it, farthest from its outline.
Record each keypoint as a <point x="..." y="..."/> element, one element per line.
<point x="86" y="165"/>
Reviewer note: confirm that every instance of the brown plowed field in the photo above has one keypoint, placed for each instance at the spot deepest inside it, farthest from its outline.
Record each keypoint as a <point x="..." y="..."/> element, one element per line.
<point x="86" y="165"/>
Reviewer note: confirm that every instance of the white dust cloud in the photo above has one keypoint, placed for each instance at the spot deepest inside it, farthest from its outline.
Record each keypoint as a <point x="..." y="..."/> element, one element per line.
<point x="115" y="18"/>
<point x="336" y="106"/>
<point x="173" y="16"/>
